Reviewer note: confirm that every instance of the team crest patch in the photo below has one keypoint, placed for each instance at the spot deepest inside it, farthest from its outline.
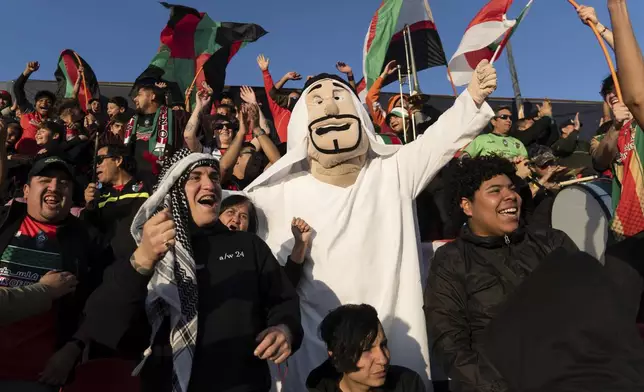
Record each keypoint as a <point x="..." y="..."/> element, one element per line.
<point x="41" y="238"/>
<point x="517" y="145"/>
<point x="505" y="142"/>
<point x="137" y="187"/>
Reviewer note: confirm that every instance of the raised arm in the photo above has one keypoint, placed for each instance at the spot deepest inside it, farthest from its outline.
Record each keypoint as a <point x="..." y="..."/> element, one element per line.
<point x="77" y="84"/>
<point x="373" y="95"/>
<point x="347" y="70"/>
<point x="588" y="15"/>
<point x="19" y="85"/>
<point x="606" y="151"/>
<point x="260" y="129"/>
<point x="228" y="161"/>
<point x="629" y="59"/>
<point x="204" y="96"/>
<point x="419" y="161"/>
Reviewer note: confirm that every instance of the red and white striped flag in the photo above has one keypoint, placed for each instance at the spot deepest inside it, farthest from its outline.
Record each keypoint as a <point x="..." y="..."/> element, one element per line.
<point x="483" y="35"/>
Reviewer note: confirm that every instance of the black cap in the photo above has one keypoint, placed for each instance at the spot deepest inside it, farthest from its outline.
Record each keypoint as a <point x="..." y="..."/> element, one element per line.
<point x="45" y="163"/>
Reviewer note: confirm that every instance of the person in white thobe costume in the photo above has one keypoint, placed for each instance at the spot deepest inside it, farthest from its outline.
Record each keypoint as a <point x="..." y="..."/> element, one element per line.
<point x="358" y="195"/>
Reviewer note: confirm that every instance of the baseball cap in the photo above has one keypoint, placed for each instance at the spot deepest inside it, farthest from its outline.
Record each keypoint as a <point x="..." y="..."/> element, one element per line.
<point x="5" y="94"/>
<point x="398" y="112"/>
<point x="45" y="163"/>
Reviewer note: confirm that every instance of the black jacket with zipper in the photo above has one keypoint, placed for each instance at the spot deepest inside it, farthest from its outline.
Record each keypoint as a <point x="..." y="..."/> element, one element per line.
<point x="242" y="291"/>
<point x="82" y="253"/>
<point x="325" y="378"/>
<point x="468" y="280"/>
<point x="113" y="213"/>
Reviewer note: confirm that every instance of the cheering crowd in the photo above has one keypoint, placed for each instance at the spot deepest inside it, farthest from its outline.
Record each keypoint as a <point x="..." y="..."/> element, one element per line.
<point x="241" y="244"/>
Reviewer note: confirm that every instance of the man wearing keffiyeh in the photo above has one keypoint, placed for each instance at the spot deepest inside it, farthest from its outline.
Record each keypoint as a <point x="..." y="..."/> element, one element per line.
<point x="217" y="300"/>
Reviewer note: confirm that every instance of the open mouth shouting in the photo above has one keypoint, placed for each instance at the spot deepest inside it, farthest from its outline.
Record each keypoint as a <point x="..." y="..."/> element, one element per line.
<point x="208" y="201"/>
<point x="336" y="134"/>
<point x="52" y="201"/>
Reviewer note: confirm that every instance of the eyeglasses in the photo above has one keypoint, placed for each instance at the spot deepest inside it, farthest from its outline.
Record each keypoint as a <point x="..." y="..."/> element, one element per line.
<point x="504" y="117"/>
<point x="101" y="158"/>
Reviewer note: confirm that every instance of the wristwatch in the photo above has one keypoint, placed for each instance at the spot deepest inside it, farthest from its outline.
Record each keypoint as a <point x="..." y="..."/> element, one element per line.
<point x="259" y="132"/>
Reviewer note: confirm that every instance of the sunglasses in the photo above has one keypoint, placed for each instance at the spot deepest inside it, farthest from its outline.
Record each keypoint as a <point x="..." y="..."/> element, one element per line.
<point x="101" y="158"/>
<point x="504" y="117"/>
<point x="219" y="127"/>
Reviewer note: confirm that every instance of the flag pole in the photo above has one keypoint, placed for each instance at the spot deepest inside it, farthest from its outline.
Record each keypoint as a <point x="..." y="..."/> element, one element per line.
<point x="410" y="64"/>
<point x="449" y="71"/>
<point x="613" y="73"/>
<point x="414" y="72"/>
<point x="505" y="40"/>
<point x="515" y="80"/>
<point x="189" y="90"/>
<point x="402" y="101"/>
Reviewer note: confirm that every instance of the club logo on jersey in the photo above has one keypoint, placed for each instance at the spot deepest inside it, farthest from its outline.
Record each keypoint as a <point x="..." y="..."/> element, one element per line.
<point x="41" y="238"/>
<point x="137" y="187"/>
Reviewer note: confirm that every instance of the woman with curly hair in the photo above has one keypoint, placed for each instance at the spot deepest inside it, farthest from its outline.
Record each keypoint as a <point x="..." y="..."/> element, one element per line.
<point x="471" y="276"/>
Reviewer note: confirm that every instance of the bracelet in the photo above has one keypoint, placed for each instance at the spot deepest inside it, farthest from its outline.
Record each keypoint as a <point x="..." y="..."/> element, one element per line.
<point x="603" y="31"/>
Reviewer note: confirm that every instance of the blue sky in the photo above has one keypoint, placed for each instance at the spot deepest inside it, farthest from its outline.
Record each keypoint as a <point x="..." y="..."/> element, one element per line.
<point x="556" y="56"/>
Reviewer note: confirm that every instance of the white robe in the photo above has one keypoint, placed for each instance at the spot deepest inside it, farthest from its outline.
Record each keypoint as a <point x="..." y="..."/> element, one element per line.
<point x="366" y="247"/>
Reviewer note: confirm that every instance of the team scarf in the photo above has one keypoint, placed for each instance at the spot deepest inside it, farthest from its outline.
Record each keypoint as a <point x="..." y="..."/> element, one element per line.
<point x="160" y="136"/>
<point x="628" y="183"/>
<point x="172" y="291"/>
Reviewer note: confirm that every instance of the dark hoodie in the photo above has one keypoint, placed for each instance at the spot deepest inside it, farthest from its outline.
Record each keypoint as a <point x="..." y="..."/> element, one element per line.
<point x="399" y="379"/>
<point x="570" y="327"/>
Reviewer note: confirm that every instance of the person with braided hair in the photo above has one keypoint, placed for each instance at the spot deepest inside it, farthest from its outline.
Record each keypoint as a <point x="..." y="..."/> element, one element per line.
<point x="218" y="303"/>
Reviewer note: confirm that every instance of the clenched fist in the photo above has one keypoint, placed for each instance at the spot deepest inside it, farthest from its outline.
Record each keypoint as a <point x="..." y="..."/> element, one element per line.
<point x="158" y="237"/>
<point x="91" y="193"/>
<point x="483" y="82"/>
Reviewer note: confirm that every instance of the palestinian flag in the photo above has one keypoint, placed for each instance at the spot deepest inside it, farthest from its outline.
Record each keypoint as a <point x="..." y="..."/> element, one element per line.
<point x="67" y="73"/>
<point x="385" y="39"/>
<point x="489" y="30"/>
<point x="191" y="41"/>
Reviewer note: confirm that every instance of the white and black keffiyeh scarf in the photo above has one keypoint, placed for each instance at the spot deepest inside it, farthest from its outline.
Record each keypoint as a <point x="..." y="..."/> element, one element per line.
<point x="172" y="291"/>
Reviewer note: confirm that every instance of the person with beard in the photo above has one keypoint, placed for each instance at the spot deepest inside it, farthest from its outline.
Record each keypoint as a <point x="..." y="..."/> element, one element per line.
<point x="155" y="132"/>
<point x="110" y="206"/>
<point x="498" y="142"/>
<point x="472" y="276"/>
<point x="281" y="116"/>
<point x="343" y="181"/>
<point x="228" y="305"/>
<point x="40" y="111"/>
<point x="359" y="357"/>
<point x="38" y="236"/>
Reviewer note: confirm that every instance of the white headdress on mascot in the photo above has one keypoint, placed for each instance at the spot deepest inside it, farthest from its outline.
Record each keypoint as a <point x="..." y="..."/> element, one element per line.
<point x="299" y="135"/>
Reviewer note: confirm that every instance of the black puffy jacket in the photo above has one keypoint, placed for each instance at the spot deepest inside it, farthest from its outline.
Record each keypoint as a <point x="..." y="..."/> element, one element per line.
<point x="468" y="280"/>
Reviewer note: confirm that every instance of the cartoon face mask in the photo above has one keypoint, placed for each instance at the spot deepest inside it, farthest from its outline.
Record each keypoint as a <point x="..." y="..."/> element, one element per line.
<point x="335" y="130"/>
